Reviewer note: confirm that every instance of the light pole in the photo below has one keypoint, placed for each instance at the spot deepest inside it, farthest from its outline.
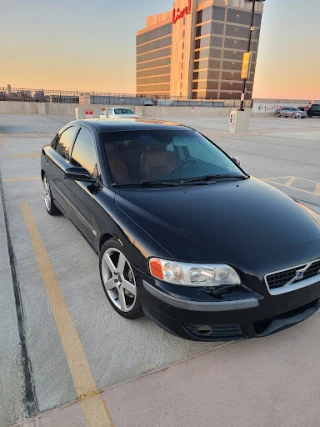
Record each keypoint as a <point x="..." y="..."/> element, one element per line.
<point x="251" y="29"/>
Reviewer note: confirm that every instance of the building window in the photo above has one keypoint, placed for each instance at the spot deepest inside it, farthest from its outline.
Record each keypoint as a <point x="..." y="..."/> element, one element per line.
<point x="218" y="13"/>
<point x="182" y="47"/>
<point x="183" y="34"/>
<point x="204" y="15"/>
<point x="154" y="72"/>
<point x="182" y="55"/>
<point x="184" y="21"/>
<point x="153" y="45"/>
<point x="153" y="55"/>
<point x="239" y="17"/>
<point x="152" y="64"/>
<point x="234" y="31"/>
<point x="155" y="34"/>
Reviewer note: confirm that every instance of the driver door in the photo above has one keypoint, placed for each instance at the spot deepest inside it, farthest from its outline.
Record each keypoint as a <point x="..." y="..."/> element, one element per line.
<point x="82" y="195"/>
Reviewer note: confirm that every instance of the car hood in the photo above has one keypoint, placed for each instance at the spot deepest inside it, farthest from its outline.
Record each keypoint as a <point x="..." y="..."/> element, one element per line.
<point x="226" y="221"/>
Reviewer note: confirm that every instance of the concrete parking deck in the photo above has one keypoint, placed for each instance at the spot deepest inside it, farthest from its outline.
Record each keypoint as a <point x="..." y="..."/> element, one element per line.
<point x="62" y="345"/>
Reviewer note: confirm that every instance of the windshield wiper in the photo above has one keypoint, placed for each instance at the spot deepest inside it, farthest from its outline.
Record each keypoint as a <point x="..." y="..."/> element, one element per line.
<point x="146" y="183"/>
<point x="214" y="177"/>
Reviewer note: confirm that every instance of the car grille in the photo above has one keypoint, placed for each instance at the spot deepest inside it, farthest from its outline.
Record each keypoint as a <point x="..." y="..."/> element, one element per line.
<point x="282" y="278"/>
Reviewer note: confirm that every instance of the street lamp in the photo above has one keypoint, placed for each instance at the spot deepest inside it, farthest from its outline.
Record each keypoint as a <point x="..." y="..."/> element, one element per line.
<point x="251" y="29"/>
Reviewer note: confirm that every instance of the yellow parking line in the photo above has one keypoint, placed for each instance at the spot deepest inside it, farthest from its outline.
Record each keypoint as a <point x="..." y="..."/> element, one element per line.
<point x="290" y="181"/>
<point x="92" y="404"/>
<point x="293" y="188"/>
<point x="24" y="155"/>
<point x="31" y="178"/>
<point x="317" y="190"/>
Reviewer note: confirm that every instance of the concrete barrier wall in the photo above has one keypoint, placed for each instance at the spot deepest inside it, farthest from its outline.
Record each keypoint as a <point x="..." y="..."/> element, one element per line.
<point x="12" y="107"/>
<point x="8" y="107"/>
<point x="158" y="111"/>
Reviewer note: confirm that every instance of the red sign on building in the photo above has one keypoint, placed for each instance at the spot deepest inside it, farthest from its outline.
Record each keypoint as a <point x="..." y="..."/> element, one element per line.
<point x="178" y="14"/>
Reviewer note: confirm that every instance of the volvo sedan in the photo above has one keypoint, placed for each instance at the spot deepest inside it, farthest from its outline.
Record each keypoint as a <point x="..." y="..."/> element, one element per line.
<point x="183" y="234"/>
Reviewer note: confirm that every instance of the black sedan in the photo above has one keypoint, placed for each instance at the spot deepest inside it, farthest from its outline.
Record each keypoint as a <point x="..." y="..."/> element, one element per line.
<point x="185" y="236"/>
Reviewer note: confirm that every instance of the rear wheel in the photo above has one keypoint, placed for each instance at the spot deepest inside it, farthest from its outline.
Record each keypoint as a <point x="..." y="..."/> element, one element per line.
<point x="47" y="196"/>
<point x="118" y="280"/>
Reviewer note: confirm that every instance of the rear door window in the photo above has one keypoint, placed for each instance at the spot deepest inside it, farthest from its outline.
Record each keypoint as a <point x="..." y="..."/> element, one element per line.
<point x="65" y="140"/>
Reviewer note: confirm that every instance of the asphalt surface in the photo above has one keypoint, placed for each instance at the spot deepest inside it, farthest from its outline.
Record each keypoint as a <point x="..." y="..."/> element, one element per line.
<point x="37" y="362"/>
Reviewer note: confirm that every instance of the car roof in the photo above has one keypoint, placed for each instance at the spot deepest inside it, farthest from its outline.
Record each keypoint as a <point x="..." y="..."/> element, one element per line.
<point x="114" y="125"/>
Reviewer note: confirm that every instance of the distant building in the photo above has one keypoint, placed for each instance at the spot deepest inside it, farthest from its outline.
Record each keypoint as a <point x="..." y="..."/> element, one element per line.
<point x="9" y="89"/>
<point x="195" y="51"/>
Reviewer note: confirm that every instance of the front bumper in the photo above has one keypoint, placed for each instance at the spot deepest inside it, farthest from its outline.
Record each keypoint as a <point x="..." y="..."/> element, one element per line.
<point x="234" y="314"/>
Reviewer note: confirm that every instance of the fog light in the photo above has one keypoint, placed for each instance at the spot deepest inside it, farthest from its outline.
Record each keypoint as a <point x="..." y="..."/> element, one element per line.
<point x="204" y="329"/>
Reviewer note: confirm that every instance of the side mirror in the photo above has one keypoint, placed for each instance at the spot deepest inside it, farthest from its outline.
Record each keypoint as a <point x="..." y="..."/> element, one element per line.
<point x="78" y="174"/>
<point x="236" y="161"/>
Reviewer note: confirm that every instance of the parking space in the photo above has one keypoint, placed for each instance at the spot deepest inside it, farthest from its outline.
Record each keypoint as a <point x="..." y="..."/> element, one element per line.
<point x="77" y="345"/>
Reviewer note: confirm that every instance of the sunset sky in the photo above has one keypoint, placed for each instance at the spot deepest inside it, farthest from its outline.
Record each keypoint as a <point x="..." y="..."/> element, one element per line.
<point x="90" y="45"/>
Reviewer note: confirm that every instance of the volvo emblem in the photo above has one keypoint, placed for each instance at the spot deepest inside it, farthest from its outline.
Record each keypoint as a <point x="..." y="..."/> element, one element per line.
<point x="299" y="274"/>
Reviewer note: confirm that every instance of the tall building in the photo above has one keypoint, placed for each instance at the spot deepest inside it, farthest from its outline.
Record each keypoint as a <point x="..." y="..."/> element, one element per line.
<point x="195" y="51"/>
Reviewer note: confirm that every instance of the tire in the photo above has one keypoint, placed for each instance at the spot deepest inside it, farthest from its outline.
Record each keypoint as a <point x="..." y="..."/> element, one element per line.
<point x="295" y="116"/>
<point x="119" y="282"/>
<point x="47" y="195"/>
<point x="279" y="115"/>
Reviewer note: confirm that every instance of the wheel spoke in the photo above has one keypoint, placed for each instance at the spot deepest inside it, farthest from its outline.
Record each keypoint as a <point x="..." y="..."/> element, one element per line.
<point x="122" y="300"/>
<point x="109" y="284"/>
<point x="129" y="287"/>
<point x="121" y="263"/>
<point x="109" y="263"/>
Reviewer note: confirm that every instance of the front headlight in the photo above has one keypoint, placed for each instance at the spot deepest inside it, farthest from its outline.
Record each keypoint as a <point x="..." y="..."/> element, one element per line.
<point x="185" y="274"/>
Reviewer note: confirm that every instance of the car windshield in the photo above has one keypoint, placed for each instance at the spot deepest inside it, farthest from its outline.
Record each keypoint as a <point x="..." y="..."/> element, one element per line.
<point x="169" y="156"/>
<point x="123" y="111"/>
<point x="295" y="109"/>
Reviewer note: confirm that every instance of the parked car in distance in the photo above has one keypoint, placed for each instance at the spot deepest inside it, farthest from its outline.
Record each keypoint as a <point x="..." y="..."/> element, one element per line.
<point x="291" y="112"/>
<point x="184" y="235"/>
<point x="314" y="110"/>
<point x="118" y="113"/>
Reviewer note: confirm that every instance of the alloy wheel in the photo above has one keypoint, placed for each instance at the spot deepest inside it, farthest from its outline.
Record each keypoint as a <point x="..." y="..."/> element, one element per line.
<point x="118" y="280"/>
<point x="47" y="193"/>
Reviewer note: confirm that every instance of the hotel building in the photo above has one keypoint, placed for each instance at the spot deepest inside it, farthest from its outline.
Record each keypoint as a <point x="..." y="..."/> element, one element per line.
<point x="195" y="51"/>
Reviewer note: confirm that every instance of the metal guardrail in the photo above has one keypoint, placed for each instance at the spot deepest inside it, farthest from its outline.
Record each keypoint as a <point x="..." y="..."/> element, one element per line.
<point x="75" y="97"/>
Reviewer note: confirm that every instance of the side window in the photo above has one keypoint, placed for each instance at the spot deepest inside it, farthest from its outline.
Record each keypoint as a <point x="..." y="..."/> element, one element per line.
<point x="64" y="142"/>
<point x="84" y="153"/>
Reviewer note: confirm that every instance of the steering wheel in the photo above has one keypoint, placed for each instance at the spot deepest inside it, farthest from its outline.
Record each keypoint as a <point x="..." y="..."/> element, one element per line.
<point x="183" y="162"/>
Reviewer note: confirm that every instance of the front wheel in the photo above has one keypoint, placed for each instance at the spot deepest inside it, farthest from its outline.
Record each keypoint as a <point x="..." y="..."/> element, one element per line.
<point x="47" y="196"/>
<point x="118" y="280"/>
<point x="279" y="115"/>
